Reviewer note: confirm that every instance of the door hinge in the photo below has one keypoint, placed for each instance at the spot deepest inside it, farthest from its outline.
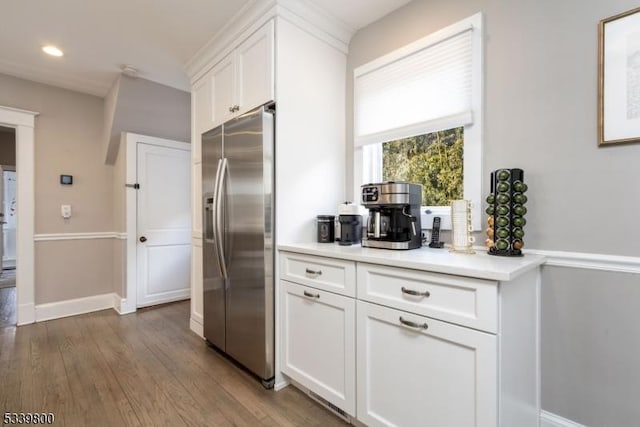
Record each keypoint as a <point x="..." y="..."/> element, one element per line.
<point x="135" y="186"/>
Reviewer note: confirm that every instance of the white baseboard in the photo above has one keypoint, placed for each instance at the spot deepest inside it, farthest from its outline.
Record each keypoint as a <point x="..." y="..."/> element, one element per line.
<point x="117" y="303"/>
<point x="127" y="306"/>
<point x="279" y="385"/>
<point x="196" y="327"/>
<point x="72" y="307"/>
<point x="122" y="305"/>
<point x="26" y="314"/>
<point x="547" y="419"/>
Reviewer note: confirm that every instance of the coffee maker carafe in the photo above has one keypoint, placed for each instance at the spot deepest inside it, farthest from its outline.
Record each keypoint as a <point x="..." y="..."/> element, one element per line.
<point x="394" y="215"/>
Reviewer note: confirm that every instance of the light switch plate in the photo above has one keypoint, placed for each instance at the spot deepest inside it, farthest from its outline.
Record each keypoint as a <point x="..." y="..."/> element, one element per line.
<point x="65" y="210"/>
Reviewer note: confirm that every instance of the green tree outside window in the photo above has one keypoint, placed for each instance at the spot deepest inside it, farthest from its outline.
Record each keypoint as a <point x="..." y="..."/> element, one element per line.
<point x="434" y="160"/>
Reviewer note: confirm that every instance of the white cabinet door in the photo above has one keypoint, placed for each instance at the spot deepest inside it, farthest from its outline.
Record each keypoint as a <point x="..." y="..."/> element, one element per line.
<point x="432" y="374"/>
<point x="202" y="119"/>
<point x="241" y="81"/>
<point x="223" y="90"/>
<point x="255" y="65"/>
<point x="318" y="342"/>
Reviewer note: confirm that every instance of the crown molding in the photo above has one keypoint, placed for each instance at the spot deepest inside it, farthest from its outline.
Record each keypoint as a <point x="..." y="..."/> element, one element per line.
<point x="318" y="22"/>
<point x="256" y="13"/>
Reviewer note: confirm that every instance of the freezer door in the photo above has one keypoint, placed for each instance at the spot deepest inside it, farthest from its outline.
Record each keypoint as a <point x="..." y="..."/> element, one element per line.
<point x="213" y="282"/>
<point x="248" y="143"/>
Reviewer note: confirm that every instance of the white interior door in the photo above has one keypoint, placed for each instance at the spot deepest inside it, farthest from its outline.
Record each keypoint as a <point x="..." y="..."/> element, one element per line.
<point x="163" y="224"/>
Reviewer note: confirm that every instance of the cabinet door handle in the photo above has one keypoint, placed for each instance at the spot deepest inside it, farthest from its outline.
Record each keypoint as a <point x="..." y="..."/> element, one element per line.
<point x="310" y="295"/>
<point x="411" y="292"/>
<point x="313" y="272"/>
<point x="413" y="324"/>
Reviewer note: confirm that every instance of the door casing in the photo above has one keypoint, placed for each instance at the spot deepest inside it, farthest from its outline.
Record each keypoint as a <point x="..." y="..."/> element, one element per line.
<point x="23" y="122"/>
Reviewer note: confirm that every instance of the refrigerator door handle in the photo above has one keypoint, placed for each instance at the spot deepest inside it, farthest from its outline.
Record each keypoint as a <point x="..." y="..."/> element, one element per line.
<point x="208" y="202"/>
<point x="222" y="169"/>
<point x="213" y="215"/>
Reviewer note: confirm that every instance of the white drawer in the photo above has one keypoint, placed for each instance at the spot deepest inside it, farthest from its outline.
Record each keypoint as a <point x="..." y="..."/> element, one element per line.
<point x="461" y="300"/>
<point x="329" y="274"/>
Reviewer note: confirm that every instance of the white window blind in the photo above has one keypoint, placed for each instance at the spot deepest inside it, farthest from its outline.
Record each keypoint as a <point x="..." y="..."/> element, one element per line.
<point x="424" y="87"/>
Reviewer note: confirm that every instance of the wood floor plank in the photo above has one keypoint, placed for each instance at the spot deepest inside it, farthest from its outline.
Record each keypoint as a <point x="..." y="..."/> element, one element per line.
<point x="199" y="379"/>
<point x="191" y="411"/>
<point x="27" y="375"/>
<point x="89" y="386"/>
<point x="7" y="306"/>
<point x="143" y="392"/>
<point x="144" y="369"/>
<point x="110" y="391"/>
<point x="261" y="402"/>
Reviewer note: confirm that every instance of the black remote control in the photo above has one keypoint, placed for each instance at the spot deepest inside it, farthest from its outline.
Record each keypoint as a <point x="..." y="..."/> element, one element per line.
<point x="435" y="234"/>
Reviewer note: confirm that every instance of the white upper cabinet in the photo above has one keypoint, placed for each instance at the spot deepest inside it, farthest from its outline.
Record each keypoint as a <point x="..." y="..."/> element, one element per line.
<point x="202" y="120"/>
<point x="223" y="93"/>
<point x="239" y="82"/>
<point x="254" y="69"/>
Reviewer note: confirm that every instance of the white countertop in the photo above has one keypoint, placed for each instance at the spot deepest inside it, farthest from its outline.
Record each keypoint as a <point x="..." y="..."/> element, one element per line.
<point x="479" y="265"/>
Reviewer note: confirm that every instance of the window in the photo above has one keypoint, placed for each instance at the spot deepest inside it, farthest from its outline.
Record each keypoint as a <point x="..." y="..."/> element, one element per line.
<point x="418" y="118"/>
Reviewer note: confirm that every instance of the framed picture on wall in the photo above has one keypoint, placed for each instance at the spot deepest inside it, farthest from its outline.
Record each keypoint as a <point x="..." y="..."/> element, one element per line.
<point x="619" y="79"/>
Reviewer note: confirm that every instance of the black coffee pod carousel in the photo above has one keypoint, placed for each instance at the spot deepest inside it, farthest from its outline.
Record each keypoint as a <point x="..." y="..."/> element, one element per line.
<point x="506" y="212"/>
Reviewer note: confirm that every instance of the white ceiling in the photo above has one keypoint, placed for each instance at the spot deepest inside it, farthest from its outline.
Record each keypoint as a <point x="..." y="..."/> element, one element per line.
<point x="157" y="37"/>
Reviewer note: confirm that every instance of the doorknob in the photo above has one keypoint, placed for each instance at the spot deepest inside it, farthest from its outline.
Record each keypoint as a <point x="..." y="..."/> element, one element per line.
<point x="143" y="239"/>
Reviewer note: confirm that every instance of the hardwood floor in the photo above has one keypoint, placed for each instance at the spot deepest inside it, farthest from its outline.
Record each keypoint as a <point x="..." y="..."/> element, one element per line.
<point x="143" y="369"/>
<point x="7" y="306"/>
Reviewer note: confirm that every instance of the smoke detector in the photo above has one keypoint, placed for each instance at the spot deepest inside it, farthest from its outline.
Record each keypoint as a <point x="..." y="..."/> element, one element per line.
<point x="129" y="71"/>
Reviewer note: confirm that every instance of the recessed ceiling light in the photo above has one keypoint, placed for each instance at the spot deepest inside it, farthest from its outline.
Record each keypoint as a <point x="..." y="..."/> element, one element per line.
<point x="52" y="50"/>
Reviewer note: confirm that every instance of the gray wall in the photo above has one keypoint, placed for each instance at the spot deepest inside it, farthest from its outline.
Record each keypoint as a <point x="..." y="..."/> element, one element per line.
<point x="141" y="106"/>
<point x="70" y="139"/>
<point x="591" y="340"/>
<point x="138" y="106"/>
<point x="541" y="115"/>
<point x="67" y="141"/>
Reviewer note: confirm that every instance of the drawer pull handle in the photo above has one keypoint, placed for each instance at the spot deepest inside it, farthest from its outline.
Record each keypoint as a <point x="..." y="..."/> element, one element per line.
<point x="313" y="272"/>
<point x="413" y="324"/>
<point x="411" y="292"/>
<point x="310" y="295"/>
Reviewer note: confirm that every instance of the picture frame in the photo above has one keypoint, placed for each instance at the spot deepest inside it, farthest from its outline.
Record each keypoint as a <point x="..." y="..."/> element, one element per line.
<point x="619" y="79"/>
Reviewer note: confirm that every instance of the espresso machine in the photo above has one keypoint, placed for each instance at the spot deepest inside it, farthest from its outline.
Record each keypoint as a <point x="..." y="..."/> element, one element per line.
<point x="394" y="215"/>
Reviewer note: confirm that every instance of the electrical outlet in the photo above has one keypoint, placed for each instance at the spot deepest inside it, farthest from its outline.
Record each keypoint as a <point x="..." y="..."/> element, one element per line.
<point x="65" y="210"/>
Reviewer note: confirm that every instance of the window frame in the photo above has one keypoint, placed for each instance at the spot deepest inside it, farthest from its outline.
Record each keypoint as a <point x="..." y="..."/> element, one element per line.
<point x="367" y="168"/>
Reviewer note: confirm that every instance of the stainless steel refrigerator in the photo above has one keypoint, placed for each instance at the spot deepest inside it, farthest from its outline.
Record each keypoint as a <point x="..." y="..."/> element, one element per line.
<point x="238" y="253"/>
